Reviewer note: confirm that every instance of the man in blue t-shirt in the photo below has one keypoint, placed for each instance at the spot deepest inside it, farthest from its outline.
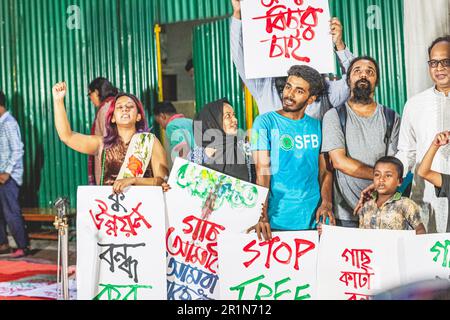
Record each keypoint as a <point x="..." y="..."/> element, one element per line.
<point x="286" y="148"/>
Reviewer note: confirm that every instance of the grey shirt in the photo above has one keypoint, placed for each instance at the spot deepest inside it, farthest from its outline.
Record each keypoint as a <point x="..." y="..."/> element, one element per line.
<point x="365" y="143"/>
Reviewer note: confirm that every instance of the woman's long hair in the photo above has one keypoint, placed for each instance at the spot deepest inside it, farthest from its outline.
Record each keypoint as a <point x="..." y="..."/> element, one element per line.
<point x="112" y="133"/>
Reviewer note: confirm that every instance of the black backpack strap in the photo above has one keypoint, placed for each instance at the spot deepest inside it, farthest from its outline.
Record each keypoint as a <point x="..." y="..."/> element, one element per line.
<point x="389" y="115"/>
<point x="342" y="113"/>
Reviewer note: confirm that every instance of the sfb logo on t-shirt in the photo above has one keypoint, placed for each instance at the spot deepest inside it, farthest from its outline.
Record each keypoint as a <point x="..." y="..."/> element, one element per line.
<point x="308" y="141"/>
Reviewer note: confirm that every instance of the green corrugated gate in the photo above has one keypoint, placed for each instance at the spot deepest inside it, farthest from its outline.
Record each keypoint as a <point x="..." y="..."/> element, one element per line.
<point x="116" y="40"/>
<point x="171" y="11"/>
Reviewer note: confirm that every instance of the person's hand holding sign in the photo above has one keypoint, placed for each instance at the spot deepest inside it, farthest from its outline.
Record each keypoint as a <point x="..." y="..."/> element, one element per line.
<point x="336" y="30"/>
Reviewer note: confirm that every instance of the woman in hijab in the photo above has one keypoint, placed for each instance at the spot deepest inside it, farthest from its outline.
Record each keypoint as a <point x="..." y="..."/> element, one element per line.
<point x="221" y="147"/>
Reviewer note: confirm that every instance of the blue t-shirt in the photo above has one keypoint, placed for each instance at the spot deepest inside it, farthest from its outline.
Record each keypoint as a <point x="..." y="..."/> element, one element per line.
<point x="294" y="147"/>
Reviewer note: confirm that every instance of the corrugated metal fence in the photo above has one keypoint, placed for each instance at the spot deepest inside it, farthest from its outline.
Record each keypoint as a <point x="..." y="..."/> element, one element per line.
<point x="170" y="11"/>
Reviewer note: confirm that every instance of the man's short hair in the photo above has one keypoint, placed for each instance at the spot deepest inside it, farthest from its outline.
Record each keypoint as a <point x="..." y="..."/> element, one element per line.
<point x="2" y="99"/>
<point x="164" y="107"/>
<point x="352" y="66"/>
<point x="445" y="38"/>
<point x="393" y="160"/>
<point x="310" y="75"/>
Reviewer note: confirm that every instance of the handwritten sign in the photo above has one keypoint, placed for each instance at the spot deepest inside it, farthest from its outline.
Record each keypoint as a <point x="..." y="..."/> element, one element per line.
<point x="278" y="34"/>
<point x="281" y="269"/>
<point x="428" y="257"/>
<point x="120" y="244"/>
<point x="201" y="205"/>
<point x="356" y="264"/>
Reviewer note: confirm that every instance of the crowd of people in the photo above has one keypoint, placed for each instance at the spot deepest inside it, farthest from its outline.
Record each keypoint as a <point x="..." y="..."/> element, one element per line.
<point x="327" y="150"/>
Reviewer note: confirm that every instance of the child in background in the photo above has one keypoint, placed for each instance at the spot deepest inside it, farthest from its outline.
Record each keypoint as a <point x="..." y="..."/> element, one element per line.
<point x="440" y="181"/>
<point x="388" y="209"/>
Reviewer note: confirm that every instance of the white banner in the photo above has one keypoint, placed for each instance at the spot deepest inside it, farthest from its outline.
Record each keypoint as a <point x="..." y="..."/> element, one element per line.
<point x="120" y="244"/>
<point x="284" y="268"/>
<point x="428" y="257"/>
<point x="278" y="34"/>
<point x="201" y="205"/>
<point x="355" y="264"/>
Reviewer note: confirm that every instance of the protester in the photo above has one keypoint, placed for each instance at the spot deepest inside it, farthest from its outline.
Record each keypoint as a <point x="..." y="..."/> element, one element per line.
<point x="179" y="129"/>
<point x="286" y="150"/>
<point x="219" y="143"/>
<point x="440" y="181"/>
<point x="11" y="178"/>
<point x="102" y="94"/>
<point x="356" y="135"/>
<point x="268" y="91"/>
<point x="130" y="155"/>
<point x="424" y="116"/>
<point x="388" y="209"/>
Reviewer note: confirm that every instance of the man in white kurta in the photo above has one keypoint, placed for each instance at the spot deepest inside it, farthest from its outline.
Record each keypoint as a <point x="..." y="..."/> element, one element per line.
<point x="425" y="115"/>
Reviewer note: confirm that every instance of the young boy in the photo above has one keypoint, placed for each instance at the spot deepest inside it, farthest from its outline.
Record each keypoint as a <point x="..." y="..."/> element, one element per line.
<point x="440" y="181"/>
<point x="388" y="209"/>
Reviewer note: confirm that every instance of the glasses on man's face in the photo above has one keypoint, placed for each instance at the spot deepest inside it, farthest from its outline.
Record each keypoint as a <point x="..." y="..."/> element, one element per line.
<point x="435" y="63"/>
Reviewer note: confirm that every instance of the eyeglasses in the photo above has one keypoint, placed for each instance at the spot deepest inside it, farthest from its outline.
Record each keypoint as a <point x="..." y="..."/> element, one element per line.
<point x="435" y="63"/>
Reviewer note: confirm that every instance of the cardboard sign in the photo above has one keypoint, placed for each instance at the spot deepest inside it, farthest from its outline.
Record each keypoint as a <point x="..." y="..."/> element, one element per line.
<point x="201" y="205"/>
<point x="355" y="264"/>
<point x="284" y="268"/>
<point x="428" y="257"/>
<point x="278" y="34"/>
<point x="120" y="244"/>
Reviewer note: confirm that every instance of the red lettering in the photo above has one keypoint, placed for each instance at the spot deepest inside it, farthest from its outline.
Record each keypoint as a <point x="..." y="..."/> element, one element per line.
<point x="269" y="251"/>
<point x="281" y="18"/>
<point x="289" y="250"/>
<point x="275" y="249"/>
<point x="271" y="2"/>
<point x="191" y="253"/>
<point x="248" y="248"/>
<point x="298" y="243"/>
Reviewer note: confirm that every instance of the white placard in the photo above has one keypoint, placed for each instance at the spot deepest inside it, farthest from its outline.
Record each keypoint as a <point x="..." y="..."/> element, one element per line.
<point x="278" y="34"/>
<point x="428" y="257"/>
<point x="120" y="244"/>
<point x="355" y="264"/>
<point x="191" y="239"/>
<point x="284" y="268"/>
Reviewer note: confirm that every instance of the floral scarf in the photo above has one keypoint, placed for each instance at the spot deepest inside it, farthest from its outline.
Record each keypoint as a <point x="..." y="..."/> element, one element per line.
<point x="138" y="156"/>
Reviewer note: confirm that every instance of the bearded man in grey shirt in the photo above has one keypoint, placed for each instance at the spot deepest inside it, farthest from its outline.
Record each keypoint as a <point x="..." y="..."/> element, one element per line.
<point x="354" y="152"/>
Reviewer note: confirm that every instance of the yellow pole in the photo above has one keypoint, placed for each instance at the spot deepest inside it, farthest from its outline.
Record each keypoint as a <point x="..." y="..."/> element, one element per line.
<point x="248" y="108"/>
<point x="160" y="75"/>
<point x="159" y="63"/>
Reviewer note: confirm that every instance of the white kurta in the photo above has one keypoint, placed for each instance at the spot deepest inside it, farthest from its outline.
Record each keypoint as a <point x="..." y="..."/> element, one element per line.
<point x="425" y="115"/>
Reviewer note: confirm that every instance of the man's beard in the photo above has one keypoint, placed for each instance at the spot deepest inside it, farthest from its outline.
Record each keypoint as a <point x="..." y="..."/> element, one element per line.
<point x="362" y="95"/>
<point x="300" y="107"/>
